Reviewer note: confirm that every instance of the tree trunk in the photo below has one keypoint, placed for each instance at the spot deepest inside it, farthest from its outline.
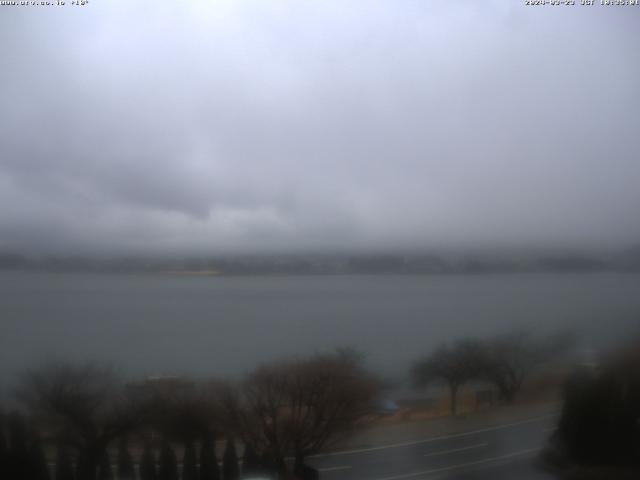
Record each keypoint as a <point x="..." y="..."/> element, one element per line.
<point x="454" y="399"/>
<point x="509" y="396"/>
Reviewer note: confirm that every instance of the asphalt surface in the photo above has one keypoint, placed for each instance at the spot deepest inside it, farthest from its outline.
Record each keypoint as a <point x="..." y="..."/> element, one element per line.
<point x="501" y="451"/>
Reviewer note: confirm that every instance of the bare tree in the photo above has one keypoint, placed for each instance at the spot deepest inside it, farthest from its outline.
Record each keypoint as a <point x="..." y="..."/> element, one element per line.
<point x="188" y="413"/>
<point x="298" y="407"/>
<point x="454" y="365"/>
<point x="510" y="358"/>
<point x="85" y="405"/>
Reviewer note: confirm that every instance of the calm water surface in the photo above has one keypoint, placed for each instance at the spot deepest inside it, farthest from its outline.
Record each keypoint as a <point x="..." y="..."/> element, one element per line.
<point x="224" y="325"/>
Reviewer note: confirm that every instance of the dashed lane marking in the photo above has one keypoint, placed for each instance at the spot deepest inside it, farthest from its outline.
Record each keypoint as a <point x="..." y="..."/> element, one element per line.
<point x="436" y="439"/>
<point x="454" y="450"/>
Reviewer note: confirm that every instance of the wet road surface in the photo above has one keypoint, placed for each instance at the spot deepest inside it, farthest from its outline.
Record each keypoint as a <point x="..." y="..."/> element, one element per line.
<point x="503" y="451"/>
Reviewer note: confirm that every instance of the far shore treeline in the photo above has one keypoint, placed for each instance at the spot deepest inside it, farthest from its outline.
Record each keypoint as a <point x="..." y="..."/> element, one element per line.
<point x="330" y="264"/>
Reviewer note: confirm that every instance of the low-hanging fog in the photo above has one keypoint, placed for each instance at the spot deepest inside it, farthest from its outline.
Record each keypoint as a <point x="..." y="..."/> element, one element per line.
<point x="214" y="126"/>
<point x="360" y="217"/>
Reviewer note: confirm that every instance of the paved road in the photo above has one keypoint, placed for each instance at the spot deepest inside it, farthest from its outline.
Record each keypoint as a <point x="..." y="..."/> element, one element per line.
<point x="502" y="451"/>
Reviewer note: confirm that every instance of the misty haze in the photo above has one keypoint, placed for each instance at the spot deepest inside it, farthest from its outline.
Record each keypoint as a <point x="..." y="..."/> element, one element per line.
<point x="298" y="239"/>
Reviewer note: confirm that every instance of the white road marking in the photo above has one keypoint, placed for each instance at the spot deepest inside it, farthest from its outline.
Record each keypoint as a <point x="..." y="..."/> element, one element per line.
<point x="334" y="469"/>
<point x="434" y="439"/>
<point x="519" y="453"/>
<point x="454" y="450"/>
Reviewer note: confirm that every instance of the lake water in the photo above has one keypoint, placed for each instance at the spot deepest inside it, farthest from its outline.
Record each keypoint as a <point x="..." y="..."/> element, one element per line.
<point x="223" y="326"/>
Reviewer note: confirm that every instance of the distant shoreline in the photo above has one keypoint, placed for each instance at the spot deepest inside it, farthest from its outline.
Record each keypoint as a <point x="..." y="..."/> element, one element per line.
<point x="317" y="264"/>
<point x="220" y="274"/>
<point x="190" y="273"/>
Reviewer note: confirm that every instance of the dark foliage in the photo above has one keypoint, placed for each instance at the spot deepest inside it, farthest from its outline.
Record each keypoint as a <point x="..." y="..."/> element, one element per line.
<point x="208" y="460"/>
<point x="105" y="472"/>
<point x="18" y="459"/>
<point x="268" y="464"/>
<point x="189" y="467"/>
<point x="90" y="458"/>
<point x="230" y="470"/>
<point x="251" y="464"/>
<point x="599" y="423"/>
<point x="148" y="464"/>
<point x="125" y="466"/>
<point x="86" y="405"/>
<point x="168" y="469"/>
<point x="38" y="468"/>
<point x="64" y="467"/>
<point x="184" y="411"/>
<point x="4" y="449"/>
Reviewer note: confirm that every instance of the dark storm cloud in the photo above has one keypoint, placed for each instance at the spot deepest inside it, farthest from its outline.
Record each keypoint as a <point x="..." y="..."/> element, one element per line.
<point x="217" y="125"/>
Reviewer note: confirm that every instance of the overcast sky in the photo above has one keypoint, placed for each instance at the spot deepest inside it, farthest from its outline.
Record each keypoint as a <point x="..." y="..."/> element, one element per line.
<point x="227" y="125"/>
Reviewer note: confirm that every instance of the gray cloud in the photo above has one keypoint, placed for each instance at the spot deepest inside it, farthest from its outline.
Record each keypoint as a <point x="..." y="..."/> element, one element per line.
<point x="212" y="126"/>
